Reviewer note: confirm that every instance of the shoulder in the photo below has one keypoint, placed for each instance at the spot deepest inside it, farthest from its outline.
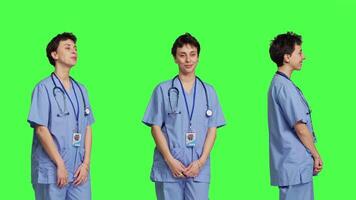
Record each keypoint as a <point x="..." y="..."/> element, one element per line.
<point x="45" y="83"/>
<point x="79" y="84"/>
<point x="283" y="88"/>
<point x="280" y="83"/>
<point x="209" y="88"/>
<point x="163" y="86"/>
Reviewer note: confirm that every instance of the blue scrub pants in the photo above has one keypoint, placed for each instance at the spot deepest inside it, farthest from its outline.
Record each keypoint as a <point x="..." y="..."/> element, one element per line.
<point x="182" y="190"/>
<point x="302" y="191"/>
<point x="69" y="192"/>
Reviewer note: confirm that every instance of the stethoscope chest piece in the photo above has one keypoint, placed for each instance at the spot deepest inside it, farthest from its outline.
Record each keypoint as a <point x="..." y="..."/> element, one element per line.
<point x="87" y="111"/>
<point x="209" y="113"/>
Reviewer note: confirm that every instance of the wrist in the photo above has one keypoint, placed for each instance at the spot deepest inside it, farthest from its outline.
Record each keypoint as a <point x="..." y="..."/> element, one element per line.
<point x="201" y="162"/>
<point x="168" y="158"/>
<point x="59" y="163"/>
<point x="85" y="166"/>
<point x="316" y="156"/>
<point x="86" y="162"/>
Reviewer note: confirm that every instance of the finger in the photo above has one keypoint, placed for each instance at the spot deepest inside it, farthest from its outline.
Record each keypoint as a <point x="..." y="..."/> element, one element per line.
<point x="175" y="174"/>
<point x="77" y="172"/>
<point x="61" y="183"/>
<point x="77" y="180"/>
<point x="65" y="180"/>
<point x="188" y="168"/>
<point x="188" y="173"/>
<point x="179" y="174"/>
<point x="182" y="166"/>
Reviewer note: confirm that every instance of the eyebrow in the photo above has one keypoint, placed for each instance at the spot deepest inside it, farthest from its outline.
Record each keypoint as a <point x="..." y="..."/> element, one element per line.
<point x="75" y="46"/>
<point x="188" y="52"/>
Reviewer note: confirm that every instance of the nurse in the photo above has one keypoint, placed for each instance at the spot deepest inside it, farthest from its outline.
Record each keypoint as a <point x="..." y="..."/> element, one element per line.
<point x="184" y="114"/>
<point x="61" y="117"/>
<point x="294" y="158"/>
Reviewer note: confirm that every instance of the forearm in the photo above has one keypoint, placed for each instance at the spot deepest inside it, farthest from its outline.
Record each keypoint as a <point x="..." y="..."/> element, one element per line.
<point x="306" y="138"/>
<point x="161" y="142"/>
<point x="48" y="145"/>
<point x="208" y="145"/>
<point x="87" y="145"/>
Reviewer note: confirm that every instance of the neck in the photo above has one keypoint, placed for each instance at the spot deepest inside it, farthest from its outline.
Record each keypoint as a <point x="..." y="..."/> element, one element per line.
<point x="62" y="73"/>
<point x="187" y="78"/>
<point x="286" y="70"/>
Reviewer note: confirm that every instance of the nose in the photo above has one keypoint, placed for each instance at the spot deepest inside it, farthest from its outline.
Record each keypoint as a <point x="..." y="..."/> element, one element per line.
<point x="188" y="59"/>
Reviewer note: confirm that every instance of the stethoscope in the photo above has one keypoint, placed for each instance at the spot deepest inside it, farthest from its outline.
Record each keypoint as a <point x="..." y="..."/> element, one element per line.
<point x="63" y="111"/>
<point x="174" y="90"/>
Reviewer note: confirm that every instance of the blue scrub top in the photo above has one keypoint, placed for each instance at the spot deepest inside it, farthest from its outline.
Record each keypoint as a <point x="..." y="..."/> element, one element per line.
<point x="175" y="126"/>
<point x="290" y="162"/>
<point x="44" y="111"/>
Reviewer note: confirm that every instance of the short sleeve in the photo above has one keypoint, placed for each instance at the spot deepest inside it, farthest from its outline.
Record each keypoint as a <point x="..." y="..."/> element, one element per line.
<point x="292" y="106"/>
<point x="40" y="107"/>
<point x="155" y="110"/>
<point x="90" y="117"/>
<point x="217" y="119"/>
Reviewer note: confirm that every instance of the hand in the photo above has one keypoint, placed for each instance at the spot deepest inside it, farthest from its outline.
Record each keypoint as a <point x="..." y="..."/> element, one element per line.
<point x="81" y="175"/>
<point x="62" y="175"/>
<point x="318" y="165"/>
<point x="176" y="167"/>
<point x="193" y="169"/>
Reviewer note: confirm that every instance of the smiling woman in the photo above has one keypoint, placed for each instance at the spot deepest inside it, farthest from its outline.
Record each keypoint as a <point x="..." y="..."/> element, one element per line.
<point x="184" y="131"/>
<point x="294" y="157"/>
<point x="62" y="134"/>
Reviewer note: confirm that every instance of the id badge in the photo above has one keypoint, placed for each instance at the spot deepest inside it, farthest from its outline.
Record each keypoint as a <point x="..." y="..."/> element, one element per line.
<point x="190" y="138"/>
<point x="77" y="137"/>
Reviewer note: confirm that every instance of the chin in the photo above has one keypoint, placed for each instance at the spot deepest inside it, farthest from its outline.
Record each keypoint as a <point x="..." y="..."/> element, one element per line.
<point x="187" y="71"/>
<point x="297" y="68"/>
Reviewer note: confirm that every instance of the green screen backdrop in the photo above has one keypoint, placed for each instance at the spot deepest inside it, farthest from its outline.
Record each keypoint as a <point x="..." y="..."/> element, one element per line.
<point x="124" y="52"/>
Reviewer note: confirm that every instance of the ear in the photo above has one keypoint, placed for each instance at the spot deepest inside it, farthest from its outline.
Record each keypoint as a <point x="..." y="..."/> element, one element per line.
<point x="54" y="55"/>
<point x="286" y="58"/>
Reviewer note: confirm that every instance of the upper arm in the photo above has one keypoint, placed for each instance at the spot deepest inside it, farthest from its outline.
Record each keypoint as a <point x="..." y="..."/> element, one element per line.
<point x="154" y="114"/>
<point x="217" y="119"/>
<point x="40" y="107"/>
<point x="292" y="106"/>
<point x="90" y="117"/>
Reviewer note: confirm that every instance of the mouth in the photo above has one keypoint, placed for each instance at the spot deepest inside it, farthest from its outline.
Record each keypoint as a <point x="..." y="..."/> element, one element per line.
<point x="74" y="58"/>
